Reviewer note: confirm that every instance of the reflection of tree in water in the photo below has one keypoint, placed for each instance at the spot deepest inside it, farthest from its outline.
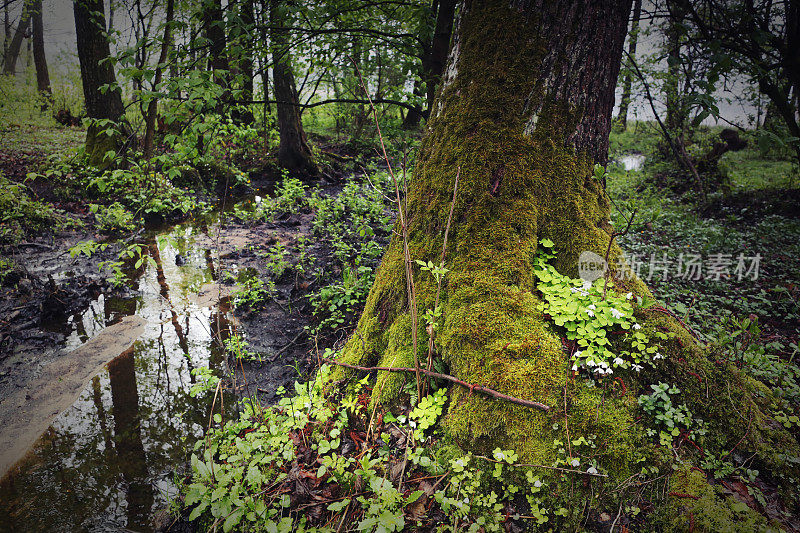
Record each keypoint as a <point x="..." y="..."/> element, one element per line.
<point x="106" y="461"/>
<point x="128" y="439"/>
<point x="97" y="399"/>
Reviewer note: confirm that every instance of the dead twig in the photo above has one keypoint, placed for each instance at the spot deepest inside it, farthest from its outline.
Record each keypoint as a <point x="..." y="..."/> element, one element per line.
<point x="472" y="388"/>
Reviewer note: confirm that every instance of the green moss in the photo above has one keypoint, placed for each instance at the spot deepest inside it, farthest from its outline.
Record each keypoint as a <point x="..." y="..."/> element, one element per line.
<point x="694" y="505"/>
<point x="98" y="144"/>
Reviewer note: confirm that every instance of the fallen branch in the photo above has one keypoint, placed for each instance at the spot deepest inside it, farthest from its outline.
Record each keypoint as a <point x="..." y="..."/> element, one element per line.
<point x="446" y="377"/>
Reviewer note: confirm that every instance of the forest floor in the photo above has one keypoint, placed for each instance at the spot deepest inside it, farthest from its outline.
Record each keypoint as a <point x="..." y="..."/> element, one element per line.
<point x="288" y="266"/>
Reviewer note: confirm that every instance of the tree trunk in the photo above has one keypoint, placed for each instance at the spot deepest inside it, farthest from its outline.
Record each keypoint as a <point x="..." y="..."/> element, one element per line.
<point x="676" y="112"/>
<point x="96" y="71"/>
<point x="433" y="64"/>
<point x="39" y="58"/>
<point x="214" y="31"/>
<point x="293" y="152"/>
<point x="622" y="117"/>
<point x="523" y="115"/>
<point x="524" y="112"/>
<point x="434" y="58"/>
<point x="12" y="54"/>
<point x="152" y="106"/>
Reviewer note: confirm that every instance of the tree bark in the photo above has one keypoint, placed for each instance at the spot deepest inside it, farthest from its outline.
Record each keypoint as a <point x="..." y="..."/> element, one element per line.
<point x="294" y="153"/>
<point x="12" y="54"/>
<point x="625" y="101"/>
<point x="152" y="106"/>
<point x="522" y="116"/>
<point x="97" y="71"/>
<point x="39" y="58"/>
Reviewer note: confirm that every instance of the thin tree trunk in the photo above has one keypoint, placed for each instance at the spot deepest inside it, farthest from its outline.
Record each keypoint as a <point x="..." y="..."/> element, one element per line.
<point x="433" y="65"/>
<point x="434" y="58"/>
<point x="12" y="54"/>
<point x="97" y="71"/>
<point x="6" y="31"/>
<point x="214" y="30"/>
<point x="39" y="58"/>
<point x="622" y="117"/>
<point x="293" y="153"/>
<point x="676" y="112"/>
<point x="152" y="106"/>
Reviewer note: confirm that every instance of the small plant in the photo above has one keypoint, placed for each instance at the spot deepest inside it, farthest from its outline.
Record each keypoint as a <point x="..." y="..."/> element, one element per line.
<point x="113" y="218"/>
<point x="589" y="315"/>
<point x="335" y="305"/>
<point x="672" y="419"/>
<point x="253" y="291"/>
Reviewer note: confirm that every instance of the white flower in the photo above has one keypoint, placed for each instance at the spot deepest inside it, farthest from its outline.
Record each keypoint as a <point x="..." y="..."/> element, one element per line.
<point x="618" y="361"/>
<point x="591" y="306"/>
<point x="637" y="326"/>
<point x="577" y="353"/>
<point x="590" y="362"/>
<point x="592" y="470"/>
<point x="638" y="368"/>
<point x="590" y="312"/>
<point x="537" y="483"/>
<point x="573" y="289"/>
<point x="575" y="367"/>
<point x="658" y="356"/>
<point x="629" y="296"/>
<point x="575" y="462"/>
<point x="587" y="285"/>
<point x="616" y="314"/>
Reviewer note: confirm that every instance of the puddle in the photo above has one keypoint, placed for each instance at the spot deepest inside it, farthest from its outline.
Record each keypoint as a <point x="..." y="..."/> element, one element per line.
<point x="631" y="161"/>
<point x="108" y="462"/>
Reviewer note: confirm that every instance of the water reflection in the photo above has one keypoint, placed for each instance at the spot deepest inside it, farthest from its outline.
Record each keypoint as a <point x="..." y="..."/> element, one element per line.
<point x="109" y="461"/>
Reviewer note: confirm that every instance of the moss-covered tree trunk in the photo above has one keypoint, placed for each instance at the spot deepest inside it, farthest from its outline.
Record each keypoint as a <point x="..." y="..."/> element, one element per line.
<point x="524" y="112"/>
<point x="523" y="115"/>
<point x="96" y="72"/>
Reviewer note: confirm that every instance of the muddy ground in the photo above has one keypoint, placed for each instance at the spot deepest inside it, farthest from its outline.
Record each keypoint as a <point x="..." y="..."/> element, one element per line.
<point x="43" y="300"/>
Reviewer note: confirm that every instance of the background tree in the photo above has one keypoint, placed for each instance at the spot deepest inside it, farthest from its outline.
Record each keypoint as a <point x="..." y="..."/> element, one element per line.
<point x="39" y="58"/>
<point x="152" y="106"/>
<point x="760" y="40"/>
<point x="434" y="57"/>
<point x="15" y="45"/>
<point x="102" y="95"/>
<point x="627" y="83"/>
<point x="293" y="152"/>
